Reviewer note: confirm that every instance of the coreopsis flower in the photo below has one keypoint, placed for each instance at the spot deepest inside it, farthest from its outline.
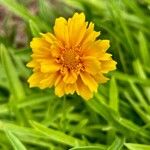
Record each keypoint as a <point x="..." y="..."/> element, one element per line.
<point x="70" y="60"/>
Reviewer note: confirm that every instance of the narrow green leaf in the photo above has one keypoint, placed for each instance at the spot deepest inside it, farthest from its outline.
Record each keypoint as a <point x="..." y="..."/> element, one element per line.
<point x="57" y="136"/>
<point x="115" y="11"/>
<point x="75" y="4"/>
<point x="100" y="107"/>
<point x="17" y="8"/>
<point x="34" y="28"/>
<point x="132" y="146"/>
<point x="139" y="96"/>
<point x="145" y="117"/>
<point x="15" y="85"/>
<point x="136" y="130"/>
<point x="47" y="12"/>
<point x="138" y="69"/>
<point x="22" y="11"/>
<point x="113" y="95"/>
<point x="107" y="113"/>
<point x="28" y="135"/>
<point x="31" y="100"/>
<point x="120" y="124"/>
<point x="144" y="53"/>
<point x="137" y="10"/>
<point x="117" y="144"/>
<point x="130" y="78"/>
<point x="16" y="143"/>
<point x="89" y="148"/>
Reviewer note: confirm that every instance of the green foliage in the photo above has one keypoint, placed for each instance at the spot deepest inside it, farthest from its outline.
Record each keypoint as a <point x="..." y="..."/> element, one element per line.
<point x="131" y="146"/>
<point x="17" y="145"/>
<point x="57" y="135"/>
<point x="117" y="118"/>
<point x="116" y="145"/>
<point x="34" y="28"/>
<point x="16" y="89"/>
<point x="88" y="148"/>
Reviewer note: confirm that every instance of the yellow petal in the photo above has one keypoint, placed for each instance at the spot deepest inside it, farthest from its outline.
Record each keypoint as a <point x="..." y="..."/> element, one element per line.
<point x="60" y="89"/>
<point x="105" y="56"/>
<point x="90" y="34"/>
<point x="100" y="78"/>
<point x="103" y="45"/>
<point x="39" y="45"/>
<point x="96" y="48"/>
<point x="54" y="48"/>
<point x="61" y="30"/>
<point x="70" y="88"/>
<point x="107" y="66"/>
<point x="89" y="81"/>
<point x="49" y="37"/>
<point x="83" y="90"/>
<point x="92" y="65"/>
<point x="58" y="79"/>
<point x="34" y="79"/>
<point x="70" y="77"/>
<point x="49" y="66"/>
<point x="32" y="64"/>
<point x="55" y="51"/>
<point x="49" y="81"/>
<point x="77" y="28"/>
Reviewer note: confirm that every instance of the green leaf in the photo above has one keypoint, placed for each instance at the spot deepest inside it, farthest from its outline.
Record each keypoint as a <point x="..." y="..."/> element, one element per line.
<point x="15" y="85"/>
<point x="89" y="148"/>
<point x="47" y="12"/>
<point x="139" y="96"/>
<point x="115" y="11"/>
<point x="117" y="144"/>
<point x="107" y="113"/>
<point x="132" y="146"/>
<point x="130" y="78"/>
<point x="31" y="100"/>
<point x="23" y="12"/>
<point x="144" y="53"/>
<point x="113" y="94"/>
<point x="136" y="130"/>
<point x="57" y="136"/>
<point x="138" y="69"/>
<point x="125" y="126"/>
<point x="16" y="143"/>
<point x="28" y="135"/>
<point x="145" y="117"/>
<point x="99" y="107"/>
<point x="34" y="28"/>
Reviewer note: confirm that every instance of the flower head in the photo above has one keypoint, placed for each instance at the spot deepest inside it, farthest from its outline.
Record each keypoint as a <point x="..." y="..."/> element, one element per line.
<point x="71" y="59"/>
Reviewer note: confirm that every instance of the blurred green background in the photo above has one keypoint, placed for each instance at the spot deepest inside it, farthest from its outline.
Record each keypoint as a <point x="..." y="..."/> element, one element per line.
<point x="117" y="118"/>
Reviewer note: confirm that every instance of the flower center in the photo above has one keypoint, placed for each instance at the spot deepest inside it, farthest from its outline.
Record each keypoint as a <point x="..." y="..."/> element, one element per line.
<point x="70" y="58"/>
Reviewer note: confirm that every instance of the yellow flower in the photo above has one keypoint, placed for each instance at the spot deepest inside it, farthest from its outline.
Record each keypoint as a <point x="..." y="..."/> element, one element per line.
<point x="72" y="59"/>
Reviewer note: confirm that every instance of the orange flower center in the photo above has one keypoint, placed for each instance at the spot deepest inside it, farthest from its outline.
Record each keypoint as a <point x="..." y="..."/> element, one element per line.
<point x="70" y="58"/>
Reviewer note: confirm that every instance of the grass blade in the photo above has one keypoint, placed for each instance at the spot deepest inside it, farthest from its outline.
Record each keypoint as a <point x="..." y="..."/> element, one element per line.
<point x="57" y="136"/>
<point x="107" y="113"/>
<point x="16" y="143"/>
<point x="144" y="53"/>
<point x="89" y="148"/>
<point x="113" y="95"/>
<point x="21" y="11"/>
<point x="16" y="89"/>
<point x="145" y="117"/>
<point x="34" y="28"/>
<point x="132" y="146"/>
<point x="117" y="144"/>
